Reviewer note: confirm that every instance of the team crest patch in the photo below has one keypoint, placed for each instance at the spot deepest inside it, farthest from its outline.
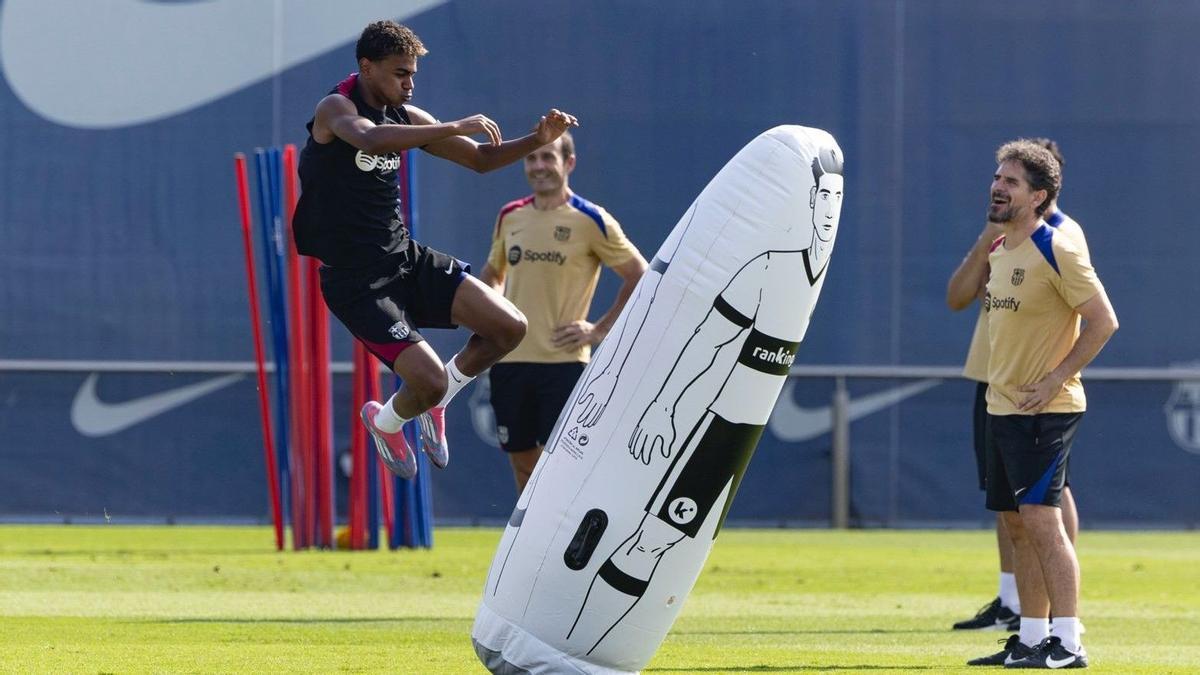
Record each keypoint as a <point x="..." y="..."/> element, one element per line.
<point x="1183" y="414"/>
<point x="400" y="330"/>
<point x="1018" y="276"/>
<point x="562" y="232"/>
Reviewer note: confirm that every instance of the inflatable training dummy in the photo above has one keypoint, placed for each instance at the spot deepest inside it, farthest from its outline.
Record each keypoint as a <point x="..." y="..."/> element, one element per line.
<point x="623" y="508"/>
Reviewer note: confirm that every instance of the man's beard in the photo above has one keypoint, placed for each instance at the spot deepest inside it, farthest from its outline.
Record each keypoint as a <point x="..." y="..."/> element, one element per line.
<point x="1003" y="216"/>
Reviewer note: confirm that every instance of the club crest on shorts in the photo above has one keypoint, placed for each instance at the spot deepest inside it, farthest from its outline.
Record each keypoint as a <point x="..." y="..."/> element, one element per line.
<point x="1018" y="276"/>
<point x="400" y="330"/>
<point x="562" y="232"/>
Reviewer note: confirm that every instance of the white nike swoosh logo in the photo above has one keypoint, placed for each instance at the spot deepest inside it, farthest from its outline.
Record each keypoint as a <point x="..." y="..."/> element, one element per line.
<point x="1058" y="663"/>
<point x="93" y="417"/>
<point x="793" y="422"/>
<point x="146" y="61"/>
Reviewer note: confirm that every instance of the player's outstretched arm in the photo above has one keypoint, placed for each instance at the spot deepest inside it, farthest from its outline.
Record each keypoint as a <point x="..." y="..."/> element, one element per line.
<point x="463" y="150"/>
<point x="337" y="117"/>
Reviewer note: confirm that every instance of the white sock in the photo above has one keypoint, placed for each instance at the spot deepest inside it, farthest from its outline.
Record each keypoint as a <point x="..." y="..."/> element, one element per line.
<point x="1066" y="628"/>
<point x="455" y="381"/>
<point x="1008" y="592"/>
<point x="387" y="419"/>
<point x="1034" y="631"/>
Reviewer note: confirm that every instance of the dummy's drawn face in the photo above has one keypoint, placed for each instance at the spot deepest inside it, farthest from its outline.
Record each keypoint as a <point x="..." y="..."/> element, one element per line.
<point x="826" y="202"/>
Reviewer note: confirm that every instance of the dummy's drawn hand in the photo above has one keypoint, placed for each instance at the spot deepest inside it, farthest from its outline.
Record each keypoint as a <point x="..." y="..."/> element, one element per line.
<point x="654" y="432"/>
<point x="592" y="403"/>
<point x="480" y="124"/>
<point x="552" y="125"/>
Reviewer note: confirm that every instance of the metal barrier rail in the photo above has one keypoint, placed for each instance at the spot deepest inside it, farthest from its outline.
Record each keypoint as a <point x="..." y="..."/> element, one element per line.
<point x="873" y="372"/>
<point x="222" y="367"/>
<point x="840" y="480"/>
<point x="839" y="373"/>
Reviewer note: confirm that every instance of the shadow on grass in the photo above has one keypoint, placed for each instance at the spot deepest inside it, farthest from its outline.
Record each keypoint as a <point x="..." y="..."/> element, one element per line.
<point x="792" y="668"/>
<point x="360" y="619"/>
<point x="868" y="631"/>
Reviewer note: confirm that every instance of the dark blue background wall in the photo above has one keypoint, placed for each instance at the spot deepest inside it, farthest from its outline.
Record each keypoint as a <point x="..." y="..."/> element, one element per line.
<point x="122" y="242"/>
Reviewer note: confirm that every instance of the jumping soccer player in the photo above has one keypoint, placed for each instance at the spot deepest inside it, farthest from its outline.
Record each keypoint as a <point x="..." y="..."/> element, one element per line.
<point x="380" y="283"/>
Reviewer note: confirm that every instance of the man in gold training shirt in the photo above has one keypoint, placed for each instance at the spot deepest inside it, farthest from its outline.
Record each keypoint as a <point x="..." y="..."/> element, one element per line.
<point x="547" y="250"/>
<point x="965" y="287"/>
<point x="1040" y="285"/>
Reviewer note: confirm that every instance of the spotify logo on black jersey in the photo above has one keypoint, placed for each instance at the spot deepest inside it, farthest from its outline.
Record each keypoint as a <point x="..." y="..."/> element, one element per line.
<point x="366" y="162"/>
<point x="514" y="255"/>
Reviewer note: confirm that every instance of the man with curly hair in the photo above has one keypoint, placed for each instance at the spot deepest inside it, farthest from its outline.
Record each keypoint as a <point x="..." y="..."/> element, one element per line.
<point x="1040" y="285"/>
<point x="379" y="282"/>
<point x="965" y="287"/>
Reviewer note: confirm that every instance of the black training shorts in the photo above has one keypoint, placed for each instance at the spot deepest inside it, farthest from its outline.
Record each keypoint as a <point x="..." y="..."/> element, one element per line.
<point x="983" y="433"/>
<point x="1029" y="462"/>
<point x="527" y="399"/>
<point x="384" y="303"/>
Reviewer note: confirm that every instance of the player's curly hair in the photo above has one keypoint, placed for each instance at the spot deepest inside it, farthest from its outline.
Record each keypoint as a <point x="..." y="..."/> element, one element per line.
<point x="382" y="39"/>
<point x="1043" y="170"/>
<point x="1049" y="144"/>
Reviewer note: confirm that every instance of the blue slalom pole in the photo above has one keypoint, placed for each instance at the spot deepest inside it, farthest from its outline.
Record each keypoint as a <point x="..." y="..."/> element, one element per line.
<point x="277" y="315"/>
<point x="279" y="296"/>
<point x="279" y="302"/>
<point x="406" y="495"/>
<point x="396" y="538"/>
<point x="423" y="512"/>
<point x="425" y="507"/>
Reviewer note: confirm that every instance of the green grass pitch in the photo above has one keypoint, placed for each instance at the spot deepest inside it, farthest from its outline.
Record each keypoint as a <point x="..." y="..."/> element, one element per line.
<point x="111" y="599"/>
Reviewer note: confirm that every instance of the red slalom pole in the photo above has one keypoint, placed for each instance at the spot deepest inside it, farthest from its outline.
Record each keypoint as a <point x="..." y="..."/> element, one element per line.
<point x="301" y="438"/>
<point x="374" y="393"/>
<point x="239" y="162"/>
<point x="358" y="453"/>
<point x="323" y="386"/>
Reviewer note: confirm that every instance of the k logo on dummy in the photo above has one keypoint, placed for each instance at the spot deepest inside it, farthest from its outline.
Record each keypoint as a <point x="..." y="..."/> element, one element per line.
<point x="611" y="532"/>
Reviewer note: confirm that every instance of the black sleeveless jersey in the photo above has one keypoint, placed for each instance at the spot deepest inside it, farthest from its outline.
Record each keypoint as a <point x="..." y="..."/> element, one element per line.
<point x="349" y="214"/>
